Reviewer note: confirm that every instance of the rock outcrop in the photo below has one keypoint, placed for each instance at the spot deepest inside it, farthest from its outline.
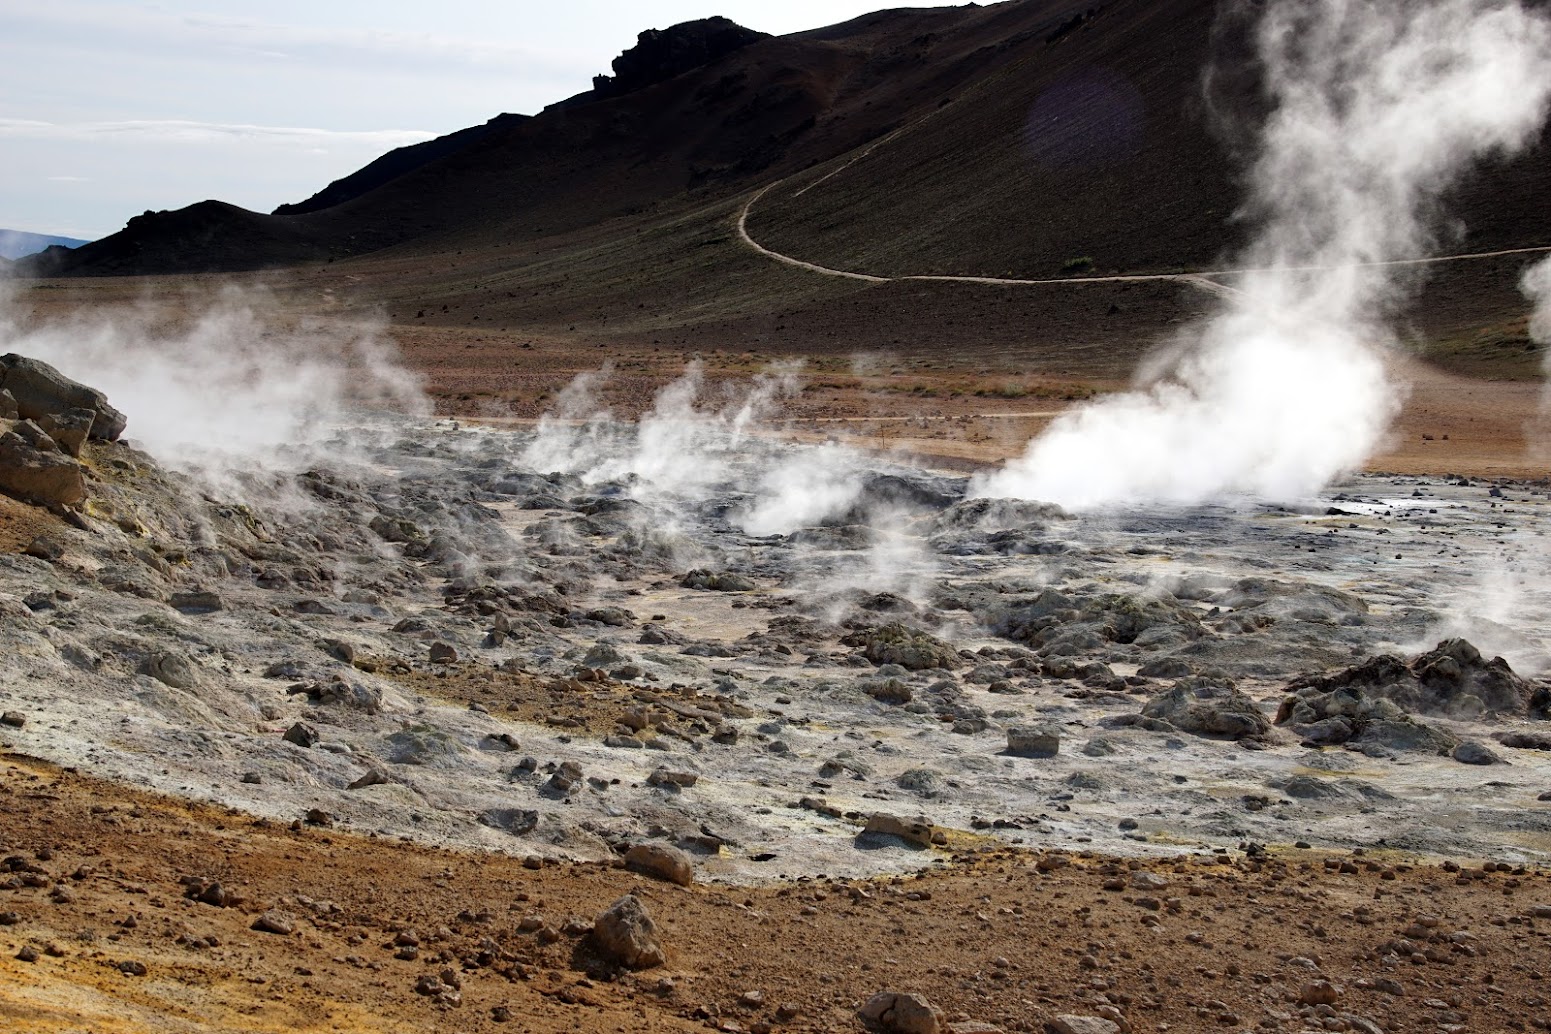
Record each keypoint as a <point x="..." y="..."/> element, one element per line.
<point x="42" y="391"/>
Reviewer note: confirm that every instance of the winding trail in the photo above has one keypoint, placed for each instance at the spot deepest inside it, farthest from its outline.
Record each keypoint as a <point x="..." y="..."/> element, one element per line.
<point x="1201" y="279"/>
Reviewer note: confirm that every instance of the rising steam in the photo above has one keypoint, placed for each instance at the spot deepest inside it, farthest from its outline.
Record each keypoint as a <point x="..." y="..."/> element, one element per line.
<point x="1377" y="109"/>
<point x="231" y="390"/>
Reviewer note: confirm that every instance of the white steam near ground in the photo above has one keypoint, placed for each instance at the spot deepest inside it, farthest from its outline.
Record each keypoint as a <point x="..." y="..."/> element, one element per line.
<point x="229" y="390"/>
<point x="1378" y="108"/>
<point x="1536" y="285"/>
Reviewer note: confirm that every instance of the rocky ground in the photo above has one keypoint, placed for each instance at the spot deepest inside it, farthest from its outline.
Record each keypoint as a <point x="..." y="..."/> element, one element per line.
<point x="797" y="668"/>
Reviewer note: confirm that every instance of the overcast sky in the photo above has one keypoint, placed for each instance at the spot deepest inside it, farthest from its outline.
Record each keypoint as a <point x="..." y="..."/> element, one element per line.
<point x="108" y="109"/>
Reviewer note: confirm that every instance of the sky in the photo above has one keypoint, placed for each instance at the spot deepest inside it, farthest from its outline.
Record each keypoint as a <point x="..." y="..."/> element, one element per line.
<point x="111" y="109"/>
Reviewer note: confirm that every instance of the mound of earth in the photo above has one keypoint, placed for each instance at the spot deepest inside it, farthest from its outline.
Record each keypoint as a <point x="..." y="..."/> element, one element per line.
<point x="1452" y="680"/>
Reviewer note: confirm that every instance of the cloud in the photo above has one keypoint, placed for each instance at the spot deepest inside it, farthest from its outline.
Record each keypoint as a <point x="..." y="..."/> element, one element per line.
<point x="183" y="131"/>
<point x="93" y="25"/>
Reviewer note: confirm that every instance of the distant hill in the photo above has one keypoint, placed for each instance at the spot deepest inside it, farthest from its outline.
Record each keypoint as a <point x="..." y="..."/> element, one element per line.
<point x="15" y="244"/>
<point x="1021" y="139"/>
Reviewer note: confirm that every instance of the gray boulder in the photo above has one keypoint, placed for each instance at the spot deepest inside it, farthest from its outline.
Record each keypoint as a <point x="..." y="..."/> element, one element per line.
<point x="40" y="390"/>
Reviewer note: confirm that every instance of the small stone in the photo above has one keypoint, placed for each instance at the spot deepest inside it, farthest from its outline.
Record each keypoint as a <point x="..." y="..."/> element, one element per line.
<point x="501" y="1014"/>
<point x="662" y="861"/>
<point x="130" y="968"/>
<point x="371" y="777"/>
<point x="302" y="734"/>
<point x="27" y="954"/>
<point x="917" y="832"/>
<point x="15" y="719"/>
<point x="1084" y="1025"/>
<point x="443" y="653"/>
<point x="275" y="923"/>
<point x="1319" y="992"/>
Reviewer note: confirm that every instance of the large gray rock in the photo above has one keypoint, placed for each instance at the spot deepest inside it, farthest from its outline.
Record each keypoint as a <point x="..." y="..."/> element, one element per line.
<point x="36" y="470"/>
<point x="40" y="390"/>
<point x="662" y="861"/>
<point x="626" y="934"/>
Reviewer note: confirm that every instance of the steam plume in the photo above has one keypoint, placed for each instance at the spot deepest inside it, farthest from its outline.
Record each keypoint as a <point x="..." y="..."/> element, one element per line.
<point x="232" y="390"/>
<point x="1378" y="108"/>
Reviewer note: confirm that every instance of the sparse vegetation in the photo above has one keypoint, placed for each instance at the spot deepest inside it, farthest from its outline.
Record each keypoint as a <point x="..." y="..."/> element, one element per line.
<point x="1081" y="264"/>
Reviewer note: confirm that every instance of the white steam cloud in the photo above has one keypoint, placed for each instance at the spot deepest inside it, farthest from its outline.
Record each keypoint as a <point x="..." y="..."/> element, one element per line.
<point x="1379" y="106"/>
<point x="1536" y="285"/>
<point x="232" y="390"/>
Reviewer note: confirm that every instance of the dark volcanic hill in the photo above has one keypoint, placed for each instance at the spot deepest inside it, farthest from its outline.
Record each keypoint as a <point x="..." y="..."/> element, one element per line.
<point x="1003" y="140"/>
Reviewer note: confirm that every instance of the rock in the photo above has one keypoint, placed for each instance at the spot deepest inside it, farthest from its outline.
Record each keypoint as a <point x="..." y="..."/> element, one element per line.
<point x="889" y="691"/>
<point x="40" y="390"/>
<point x="626" y="934"/>
<point x="1525" y="740"/>
<point x="276" y="923"/>
<point x="1469" y="752"/>
<point x="197" y="601"/>
<point x="170" y="669"/>
<point x="662" y="861"/>
<point x="1209" y="707"/>
<point x="1083" y="1025"/>
<point x="302" y="734"/>
<point x="716" y="581"/>
<point x="1319" y="992"/>
<point x="917" y="832"/>
<point x="665" y="778"/>
<point x="371" y="777"/>
<point x="37" y="474"/>
<point x="1452" y="680"/>
<point x="44" y="548"/>
<point x="15" y="719"/>
<point x="662" y="54"/>
<point x="8" y="409"/>
<point x="898" y="1013"/>
<point x="1029" y="742"/>
<point x="68" y="429"/>
<point x="900" y="644"/>
<point x="443" y="653"/>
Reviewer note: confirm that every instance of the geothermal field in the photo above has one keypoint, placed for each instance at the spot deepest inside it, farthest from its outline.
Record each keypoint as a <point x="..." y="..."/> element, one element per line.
<point x="782" y="602"/>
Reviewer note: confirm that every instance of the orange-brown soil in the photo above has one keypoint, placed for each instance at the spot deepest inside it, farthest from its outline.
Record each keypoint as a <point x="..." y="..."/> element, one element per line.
<point x="95" y="885"/>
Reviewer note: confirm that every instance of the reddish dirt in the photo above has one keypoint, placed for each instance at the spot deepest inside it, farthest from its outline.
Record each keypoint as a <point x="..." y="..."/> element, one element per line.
<point x="997" y="935"/>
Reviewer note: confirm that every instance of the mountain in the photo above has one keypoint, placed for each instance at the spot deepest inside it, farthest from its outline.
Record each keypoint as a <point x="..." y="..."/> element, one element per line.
<point x="1022" y="139"/>
<point x="15" y="244"/>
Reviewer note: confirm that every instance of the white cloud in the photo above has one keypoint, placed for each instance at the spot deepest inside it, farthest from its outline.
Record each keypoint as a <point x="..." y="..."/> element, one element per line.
<point x="182" y="131"/>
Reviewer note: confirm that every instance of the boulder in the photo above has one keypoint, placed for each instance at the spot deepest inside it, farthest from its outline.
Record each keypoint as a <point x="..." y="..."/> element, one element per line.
<point x="901" y="644"/>
<point x="170" y="669"/>
<point x="40" y="390"/>
<point x="662" y="861"/>
<point x="1026" y="741"/>
<point x="626" y="934"/>
<point x="69" y="429"/>
<point x="35" y="470"/>
<point x="1209" y="707"/>
<point x="916" y="832"/>
<point x="8" y="410"/>
<point x="1451" y="680"/>
<point x="716" y="581"/>
<point x="898" y="1013"/>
